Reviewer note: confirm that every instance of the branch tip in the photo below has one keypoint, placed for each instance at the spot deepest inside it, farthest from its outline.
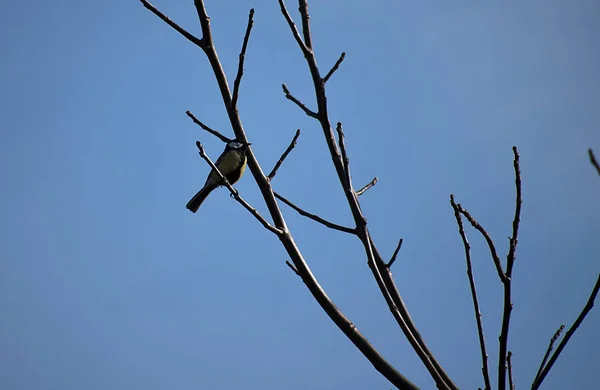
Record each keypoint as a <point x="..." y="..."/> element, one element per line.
<point x="335" y="67"/>
<point x="291" y="146"/>
<point x="242" y="56"/>
<point x="208" y="129"/>
<point x="395" y="255"/>
<point x="301" y="105"/>
<point x="367" y="187"/>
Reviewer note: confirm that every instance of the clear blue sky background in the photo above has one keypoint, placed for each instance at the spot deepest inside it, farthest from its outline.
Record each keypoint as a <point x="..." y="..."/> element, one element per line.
<point x="107" y="282"/>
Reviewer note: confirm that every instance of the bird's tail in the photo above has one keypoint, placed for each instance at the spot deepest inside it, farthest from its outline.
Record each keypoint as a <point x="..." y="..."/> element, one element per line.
<point x="197" y="200"/>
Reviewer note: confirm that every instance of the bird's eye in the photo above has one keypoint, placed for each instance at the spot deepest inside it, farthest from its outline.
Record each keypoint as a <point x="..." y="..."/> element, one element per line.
<point x="235" y="145"/>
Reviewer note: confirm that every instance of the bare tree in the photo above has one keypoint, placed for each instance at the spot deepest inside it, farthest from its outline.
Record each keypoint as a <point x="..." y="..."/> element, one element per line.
<point x="380" y="268"/>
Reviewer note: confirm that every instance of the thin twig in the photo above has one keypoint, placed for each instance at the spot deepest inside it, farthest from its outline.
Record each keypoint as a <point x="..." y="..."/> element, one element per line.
<point x="548" y="350"/>
<point x="236" y="194"/>
<point x="315" y="217"/>
<point x="345" y="159"/>
<point x="511" y="384"/>
<point x="291" y="97"/>
<point x="565" y="340"/>
<point x="335" y="67"/>
<point x="507" y="282"/>
<point x="367" y="187"/>
<point x="303" y="8"/>
<point x="240" y="70"/>
<point x="293" y="268"/>
<point x="291" y="146"/>
<point x="510" y="258"/>
<point x="487" y="238"/>
<point x="292" y="25"/>
<point x="197" y="41"/>
<point x="467" y="246"/>
<point x="593" y="160"/>
<point x="395" y="254"/>
<point x="206" y="128"/>
<point x="342" y="143"/>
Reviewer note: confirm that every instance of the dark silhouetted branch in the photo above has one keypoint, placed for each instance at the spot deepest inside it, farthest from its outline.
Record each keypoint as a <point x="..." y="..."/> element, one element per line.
<point x="487" y="238"/>
<point x="367" y="187"/>
<point x="206" y="128"/>
<point x="395" y="254"/>
<point x="548" y="350"/>
<point x="315" y="217"/>
<point x="594" y="161"/>
<point x="507" y="281"/>
<point x="240" y="70"/>
<point x="511" y="384"/>
<point x="467" y="246"/>
<point x="381" y="274"/>
<point x="293" y="268"/>
<point x="292" y="25"/>
<point x="335" y="67"/>
<point x="345" y="159"/>
<point x="590" y="303"/>
<point x="337" y="317"/>
<point x="175" y="26"/>
<point x="291" y="146"/>
<point x="236" y="194"/>
<point x="291" y="97"/>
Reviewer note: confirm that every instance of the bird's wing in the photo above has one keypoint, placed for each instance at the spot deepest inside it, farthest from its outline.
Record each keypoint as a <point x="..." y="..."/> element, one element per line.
<point x="227" y="162"/>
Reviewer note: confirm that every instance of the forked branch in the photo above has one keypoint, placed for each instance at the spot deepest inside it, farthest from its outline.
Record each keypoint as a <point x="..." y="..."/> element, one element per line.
<point x="586" y="309"/>
<point x="235" y="193"/>
<point x="467" y="246"/>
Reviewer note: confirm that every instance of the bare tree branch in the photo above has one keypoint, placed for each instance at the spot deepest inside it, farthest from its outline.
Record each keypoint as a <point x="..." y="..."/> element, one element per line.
<point x="291" y="97"/>
<point x="487" y="238"/>
<point x="345" y="325"/>
<point x="381" y="274"/>
<point x="395" y="254"/>
<point x="171" y="23"/>
<point x="236" y="194"/>
<point x="590" y="303"/>
<point x="293" y="268"/>
<point x="593" y="160"/>
<point x="292" y="25"/>
<point x="346" y="161"/>
<point x="206" y="128"/>
<point x="240" y="70"/>
<point x="315" y="217"/>
<point x="291" y="146"/>
<point x="482" y="346"/>
<point x="548" y="350"/>
<point x="303" y="8"/>
<point x="335" y="67"/>
<point x="367" y="187"/>
<point x="507" y="281"/>
<point x="511" y="384"/>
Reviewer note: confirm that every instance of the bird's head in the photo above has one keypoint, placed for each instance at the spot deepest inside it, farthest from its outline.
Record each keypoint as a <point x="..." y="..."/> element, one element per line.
<point x="238" y="145"/>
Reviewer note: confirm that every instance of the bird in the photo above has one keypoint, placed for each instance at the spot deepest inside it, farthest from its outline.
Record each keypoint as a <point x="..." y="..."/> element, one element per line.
<point x="231" y="163"/>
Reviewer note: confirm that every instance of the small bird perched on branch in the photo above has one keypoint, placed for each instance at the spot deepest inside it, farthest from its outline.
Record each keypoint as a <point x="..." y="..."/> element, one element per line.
<point x="231" y="163"/>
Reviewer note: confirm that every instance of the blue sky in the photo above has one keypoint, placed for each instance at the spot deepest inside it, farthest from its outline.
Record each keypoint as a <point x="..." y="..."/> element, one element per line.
<point x="108" y="282"/>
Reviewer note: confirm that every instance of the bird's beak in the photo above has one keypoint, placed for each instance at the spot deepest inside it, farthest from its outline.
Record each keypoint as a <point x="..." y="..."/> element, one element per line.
<point x="248" y="143"/>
